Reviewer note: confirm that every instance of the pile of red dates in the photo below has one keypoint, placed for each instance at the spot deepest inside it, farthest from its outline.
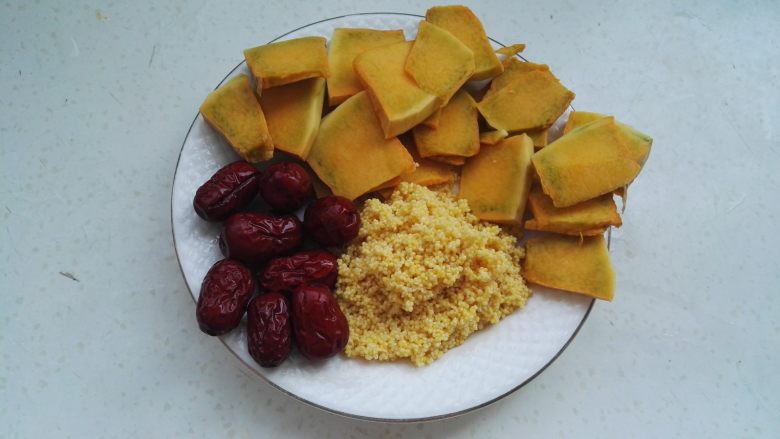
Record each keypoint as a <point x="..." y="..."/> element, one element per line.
<point x="263" y="254"/>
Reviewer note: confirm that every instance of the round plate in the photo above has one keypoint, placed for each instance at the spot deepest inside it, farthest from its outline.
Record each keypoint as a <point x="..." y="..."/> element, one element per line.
<point x="491" y="364"/>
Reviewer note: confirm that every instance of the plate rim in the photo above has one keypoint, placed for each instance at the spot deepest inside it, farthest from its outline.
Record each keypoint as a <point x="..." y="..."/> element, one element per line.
<point x="304" y="400"/>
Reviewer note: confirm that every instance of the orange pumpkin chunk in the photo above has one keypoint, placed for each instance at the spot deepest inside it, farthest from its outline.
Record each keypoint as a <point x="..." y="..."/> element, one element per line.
<point x="288" y="61"/>
<point x="234" y="112"/>
<point x="579" y="265"/>
<point x="585" y="163"/>
<point x="399" y="102"/>
<point x="595" y="213"/>
<point x="492" y="137"/>
<point x="457" y="134"/>
<point x="638" y="143"/>
<point x="439" y="62"/>
<point x="461" y="22"/>
<point x="350" y="153"/>
<point x="345" y="45"/>
<point x="497" y="180"/>
<point x="293" y="112"/>
<point x="527" y="101"/>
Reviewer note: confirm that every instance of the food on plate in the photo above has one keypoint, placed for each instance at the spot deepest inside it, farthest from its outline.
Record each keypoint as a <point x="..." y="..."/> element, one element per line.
<point x="350" y="153"/>
<point x="513" y="68"/>
<point x="293" y="114"/>
<point x="432" y="121"/>
<point x="254" y="238"/>
<point x="511" y="50"/>
<point x="570" y="263"/>
<point x="224" y="293"/>
<point x="268" y="329"/>
<point x="423" y="274"/>
<point x="427" y="172"/>
<point x="457" y="134"/>
<point x="399" y="102"/>
<point x="588" y="217"/>
<point x="539" y="137"/>
<point x="345" y="45"/>
<point x="492" y="137"/>
<point x="461" y="22"/>
<point x="288" y="61"/>
<point x="497" y="180"/>
<point x="286" y="274"/>
<point x="638" y="143"/>
<point x="234" y="112"/>
<point x="321" y="330"/>
<point x="231" y="188"/>
<point x="332" y="220"/>
<point x="449" y="159"/>
<point x="528" y="101"/>
<point x="439" y="63"/>
<point x="585" y="163"/>
<point x="285" y="186"/>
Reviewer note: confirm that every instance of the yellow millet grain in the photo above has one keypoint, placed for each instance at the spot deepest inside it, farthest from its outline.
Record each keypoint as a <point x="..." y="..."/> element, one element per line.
<point x="423" y="274"/>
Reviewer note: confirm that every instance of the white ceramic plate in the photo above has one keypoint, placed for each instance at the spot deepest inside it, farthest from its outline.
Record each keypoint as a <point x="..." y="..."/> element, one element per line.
<point x="488" y="366"/>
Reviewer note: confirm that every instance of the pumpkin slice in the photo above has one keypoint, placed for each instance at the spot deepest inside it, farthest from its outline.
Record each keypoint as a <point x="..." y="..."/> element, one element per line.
<point x="532" y="224"/>
<point x="539" y="137"/>
<point x="234" y="112"/>
<point x="345" y="45"/>
<point x="638" y="143"/>
<point x="595" y="213"/>
<point x="579" y="265"/>
<point x="288" y="61"/>
<point x="496" y="181"/>
<point x="449" y="160"/>
<point x="585" y="163"/>
<point x="457" y="134"/>
<point x="511" y="50"/>
<point x="461" y="22"/>
<point x="350" y="153"/>
<point x="293" y="112"/>
<point x="514" y="67"/>
<point x="439" y="62"/>
<point x="527" y="101"/>
<point x="428" y="172"/>
<point x="492" y="137"/>
<point x="398" y="101"/>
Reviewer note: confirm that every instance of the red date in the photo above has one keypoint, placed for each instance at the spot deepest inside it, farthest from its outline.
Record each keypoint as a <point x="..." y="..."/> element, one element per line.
<point x="308" y="267"/>
<point x="228" y="190"/>
<point x="224" y="293"/>
<point x="254" y="238"/>
<point x="332" y="220"/>
<point x="285" y="186"/>
<point x="269" y="333"/>
<point x="321" y="330"/>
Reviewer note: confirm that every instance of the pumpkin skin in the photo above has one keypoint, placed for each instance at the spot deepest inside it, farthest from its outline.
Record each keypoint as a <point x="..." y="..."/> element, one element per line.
<point x="639" y="144"/>
<point x="527" y="101"/>
<point x="457" y="134"/>
<point x="439" y="62"/>
<point x="461" y="22"/>
<point x="582" y="218"/>
<point x="570" y="263"/>
<point x="234" y="112"/>
<point x="345" y="45"/>
<point x="492" y="137"/>
<point x="293" y="113"/>
<point x="399" y="102"/>
<point x="288" y="61"/>
<point x="585" y="163"/>
<point x="496" y="181"/>
<point x="350" y="153"/>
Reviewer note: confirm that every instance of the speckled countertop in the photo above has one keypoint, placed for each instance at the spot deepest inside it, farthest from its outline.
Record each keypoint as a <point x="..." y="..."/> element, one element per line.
<point x="97" y="336"/>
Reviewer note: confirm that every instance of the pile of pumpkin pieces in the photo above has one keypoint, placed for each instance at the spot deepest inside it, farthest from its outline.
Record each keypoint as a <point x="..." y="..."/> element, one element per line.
<point x="441" y="109"/>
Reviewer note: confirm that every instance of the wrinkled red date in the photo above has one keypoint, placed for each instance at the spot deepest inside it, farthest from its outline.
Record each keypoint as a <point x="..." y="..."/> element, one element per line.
<point x="224" y="293"/>
<point x="332" y="220"/>
<point x="269" y="333"/>
<point x="320" y="328"/>
<point x="285" y="186"/>
<point x="308" y="267"/>
<point x="228" y="190"/>
<point x="254" y="238"/>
